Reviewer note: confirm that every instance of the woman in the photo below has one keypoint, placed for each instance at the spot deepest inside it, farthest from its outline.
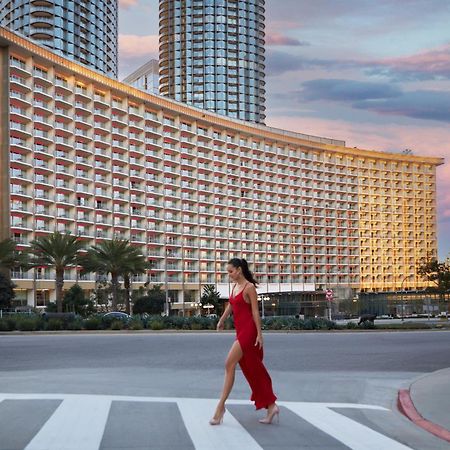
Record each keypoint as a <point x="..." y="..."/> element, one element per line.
<point x="247" y="350"/>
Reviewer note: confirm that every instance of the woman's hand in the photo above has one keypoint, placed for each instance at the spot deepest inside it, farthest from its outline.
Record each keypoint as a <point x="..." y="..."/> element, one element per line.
<point x="259" y="341"/>
<point x="220" y="325"/>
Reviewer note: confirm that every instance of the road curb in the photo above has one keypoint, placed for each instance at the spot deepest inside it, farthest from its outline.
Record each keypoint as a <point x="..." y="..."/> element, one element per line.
<point x="406" y="407"/>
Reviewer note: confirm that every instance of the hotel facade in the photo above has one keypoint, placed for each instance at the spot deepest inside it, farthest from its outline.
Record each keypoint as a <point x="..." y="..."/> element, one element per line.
<point x="86" y="154"/>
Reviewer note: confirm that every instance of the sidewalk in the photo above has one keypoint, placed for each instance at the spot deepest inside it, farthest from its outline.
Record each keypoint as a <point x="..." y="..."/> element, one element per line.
<point x="427" y="403"/>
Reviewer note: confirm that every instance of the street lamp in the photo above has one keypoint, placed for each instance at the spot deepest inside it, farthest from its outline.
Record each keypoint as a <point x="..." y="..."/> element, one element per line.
<point x="401" y="296"/>
<point x="208" y="306"/>
<point x="195" y="306"/>
<point x="262" y="299"/>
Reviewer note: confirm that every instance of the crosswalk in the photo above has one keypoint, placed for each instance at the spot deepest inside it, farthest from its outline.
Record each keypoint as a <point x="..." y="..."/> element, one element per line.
<point x="105" y="422"/>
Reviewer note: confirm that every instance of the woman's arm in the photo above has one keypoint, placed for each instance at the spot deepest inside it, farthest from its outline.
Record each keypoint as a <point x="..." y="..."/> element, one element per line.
<point x="224" y="317"/>
<point x="253" y="297"/>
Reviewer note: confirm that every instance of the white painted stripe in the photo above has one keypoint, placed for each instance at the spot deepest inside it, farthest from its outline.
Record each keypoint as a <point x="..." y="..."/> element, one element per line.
<point x="229" y="435"/>
<point x="175" y="399"/>
<point x="350" y="433"/>
<point x="78" y="423"/>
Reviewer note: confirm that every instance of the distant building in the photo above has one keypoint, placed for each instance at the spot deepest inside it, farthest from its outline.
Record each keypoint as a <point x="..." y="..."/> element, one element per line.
<point x="82" y="30"/>
<point x="146" y="77"/>
<point x="211" y="55"/>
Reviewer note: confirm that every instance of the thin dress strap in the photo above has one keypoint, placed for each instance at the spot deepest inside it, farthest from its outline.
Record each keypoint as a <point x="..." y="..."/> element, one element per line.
<point x="245" y="286"/>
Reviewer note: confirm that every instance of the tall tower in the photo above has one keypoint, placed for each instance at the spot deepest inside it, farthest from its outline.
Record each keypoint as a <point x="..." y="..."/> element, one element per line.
<point x="83" y="30"/>
<point x="212" y="55"/>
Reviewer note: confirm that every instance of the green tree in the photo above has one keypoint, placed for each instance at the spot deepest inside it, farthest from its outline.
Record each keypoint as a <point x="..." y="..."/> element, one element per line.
<point x="11" y="258"/>
<point x="59" y="251"/>
<point x="6" y="292"/>
<point x="116" y="258"/>
<point x="210" y="296"/>
<point x="152" y="303"/>
<point x="102" y="294"/>
<point x="438" y="273"/>
<point x="136" y="264"/>
<point x="75" y="301"/>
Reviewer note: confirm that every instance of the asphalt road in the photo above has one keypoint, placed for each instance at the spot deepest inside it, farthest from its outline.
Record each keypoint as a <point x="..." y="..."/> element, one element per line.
<point x="308" y="370"/>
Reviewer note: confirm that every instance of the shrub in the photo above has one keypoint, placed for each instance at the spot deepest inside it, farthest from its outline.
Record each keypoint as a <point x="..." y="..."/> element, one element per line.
<point x="28" y="323"/>
<point x="55" y="324"/>
<point x="117" y="325"/>
<point x="351" y="325"/>
<point x="93" y="323"/>
<point x="76" y="324"/>
<point x="6" y="325"/>
<point x="229" y="324"/>
<point x="196" y="323"/>
<point x="178" y="322"/>
<point x="156" y="325"/>
<point x="136" y="324"/>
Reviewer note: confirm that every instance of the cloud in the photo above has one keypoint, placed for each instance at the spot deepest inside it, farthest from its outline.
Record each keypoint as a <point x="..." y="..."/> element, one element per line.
<point x="126" y="4"/>
<point x="347" y="90"/>
<point x="275" y="38"/>
<point x="433" y="64"/>
<point x="134" y="46"/>
<point x="427" y="105"/>
<point x="135" y="51"/>
<point x="279" y="63"/>
<point x="382" y="98"/>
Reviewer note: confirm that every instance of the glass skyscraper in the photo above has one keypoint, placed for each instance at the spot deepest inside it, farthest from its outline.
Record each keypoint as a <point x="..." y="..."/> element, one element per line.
<point x="212" y="55"/>
<point x="83" y="30"/>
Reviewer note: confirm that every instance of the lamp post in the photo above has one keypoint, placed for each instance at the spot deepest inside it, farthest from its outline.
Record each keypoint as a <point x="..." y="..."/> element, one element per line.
<point x="401" y="296"/>
<point x="195" y="306"/>
<point x="166" y="287"/>
<point x="262" y="299"/>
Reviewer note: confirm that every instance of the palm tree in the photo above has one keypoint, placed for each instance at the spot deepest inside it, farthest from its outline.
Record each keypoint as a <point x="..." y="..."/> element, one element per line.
<point x="59" y="251"/>
<point x="117" y="258"/>
<point x="136" y="265"/>
<point x="10" y="258"/>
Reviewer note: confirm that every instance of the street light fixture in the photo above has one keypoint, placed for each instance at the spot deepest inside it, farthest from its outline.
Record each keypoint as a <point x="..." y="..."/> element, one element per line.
<point x="401" y="296"/>
<point x="262" y="299"/>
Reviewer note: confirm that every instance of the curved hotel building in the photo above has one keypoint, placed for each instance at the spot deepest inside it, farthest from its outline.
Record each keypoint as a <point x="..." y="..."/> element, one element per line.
<point x="84" y="153"/>
<point x="82" y="30"/>
<point x="212" y="55"/>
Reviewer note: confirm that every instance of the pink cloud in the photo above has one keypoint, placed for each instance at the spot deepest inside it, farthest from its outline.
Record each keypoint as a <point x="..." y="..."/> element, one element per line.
<point x="126" y="4"/>
<point x="432" y="61"/>
<point x="133" y="46"/>
<point x="274" y="38"/>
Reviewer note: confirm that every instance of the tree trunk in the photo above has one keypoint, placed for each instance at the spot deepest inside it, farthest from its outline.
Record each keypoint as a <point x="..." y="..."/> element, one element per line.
<point x="115" y="290"/>
<point x="59" y="289"/>
<point x="127" y="285"/>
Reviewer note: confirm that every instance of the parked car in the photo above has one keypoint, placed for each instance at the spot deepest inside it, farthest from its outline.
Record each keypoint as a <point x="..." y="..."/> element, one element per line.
<point x="110" y="317"/>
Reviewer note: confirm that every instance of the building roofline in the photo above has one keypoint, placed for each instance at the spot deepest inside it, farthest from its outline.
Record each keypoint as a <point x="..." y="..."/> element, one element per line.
<point x="142" y="70"/>
<point x="9" y="38"/>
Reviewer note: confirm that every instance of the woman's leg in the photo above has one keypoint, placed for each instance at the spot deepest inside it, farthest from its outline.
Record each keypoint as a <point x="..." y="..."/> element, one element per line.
<point x="234" y="355"/>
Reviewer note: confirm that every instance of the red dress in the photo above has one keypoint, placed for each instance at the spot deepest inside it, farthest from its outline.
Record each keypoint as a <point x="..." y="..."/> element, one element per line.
<point x="252" y="360"/>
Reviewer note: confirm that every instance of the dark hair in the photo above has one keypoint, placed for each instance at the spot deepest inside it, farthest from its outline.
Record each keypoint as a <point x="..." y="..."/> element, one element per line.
<point x="242" y="263"/>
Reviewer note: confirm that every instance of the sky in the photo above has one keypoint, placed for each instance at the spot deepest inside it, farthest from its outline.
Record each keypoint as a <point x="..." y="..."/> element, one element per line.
<point x="373" y="73"/>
